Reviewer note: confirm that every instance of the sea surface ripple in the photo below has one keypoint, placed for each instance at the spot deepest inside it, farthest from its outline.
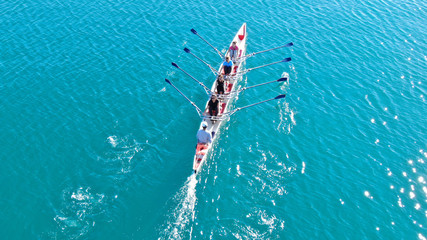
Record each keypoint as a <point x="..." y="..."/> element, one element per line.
<point x="95" y="145"/>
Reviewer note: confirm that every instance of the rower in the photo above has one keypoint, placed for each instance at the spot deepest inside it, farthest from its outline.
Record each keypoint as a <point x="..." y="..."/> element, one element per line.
<point x="227" y="65"/>
<point x="213" y="107"/>
<point x="203" y="137"/>
<point x="220" y="85"/>
<point x="233" y="51"/>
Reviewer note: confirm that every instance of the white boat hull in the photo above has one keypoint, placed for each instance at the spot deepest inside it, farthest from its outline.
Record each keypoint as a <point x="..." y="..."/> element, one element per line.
<point x="202" y="151"/>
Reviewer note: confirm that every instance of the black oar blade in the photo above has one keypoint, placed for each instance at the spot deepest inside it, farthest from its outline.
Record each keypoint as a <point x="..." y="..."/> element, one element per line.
<point x="186" y="50"/>
<point x="193" y="31"/>
<point x="289" y="44"/>
<point x="167" y="80"/>
<point x="280" y="96"/>
<point x="283" y="80"/>
<point x="175" y="65"/>
<point x="287" y="59"/>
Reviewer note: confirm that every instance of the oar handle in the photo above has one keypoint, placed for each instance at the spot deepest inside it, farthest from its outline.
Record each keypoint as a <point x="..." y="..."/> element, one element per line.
<point x="251" y="105"/>
<point x="286" y="45"/>
<point x="255" y="53"/>
<point x="261" y="84"/>
<point x="210" y="67"/>
<point x="250" y="69"/>
<point x="208" y="91"/>
<point x="192" y="103"/>
<point x="195" y="32"/>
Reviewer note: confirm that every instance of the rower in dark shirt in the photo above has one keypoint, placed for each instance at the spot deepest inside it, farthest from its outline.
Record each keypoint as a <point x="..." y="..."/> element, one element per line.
<point x="213" y="106"/>
<point x="220" y="85"/>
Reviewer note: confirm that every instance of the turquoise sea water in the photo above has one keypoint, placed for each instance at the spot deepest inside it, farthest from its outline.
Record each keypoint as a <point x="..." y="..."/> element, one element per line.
<point x="95" y="145"/>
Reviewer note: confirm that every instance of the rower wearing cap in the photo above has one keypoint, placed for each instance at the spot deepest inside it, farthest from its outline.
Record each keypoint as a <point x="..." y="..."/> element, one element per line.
<point x="203" y="136"/>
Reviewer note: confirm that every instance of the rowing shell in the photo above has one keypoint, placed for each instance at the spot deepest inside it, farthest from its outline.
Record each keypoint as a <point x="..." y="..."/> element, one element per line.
<point x="202" y="150"/>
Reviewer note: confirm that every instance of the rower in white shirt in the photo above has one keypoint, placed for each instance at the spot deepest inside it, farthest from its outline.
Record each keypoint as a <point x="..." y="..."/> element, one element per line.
<point x="203" y="136"/>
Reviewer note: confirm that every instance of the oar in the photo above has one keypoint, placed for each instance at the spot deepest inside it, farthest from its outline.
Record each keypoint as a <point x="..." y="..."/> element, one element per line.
<point x="243" y="89"/>
<point x="252" y="54"/>
<point x="195" y="32"/>
<point x="192" y="103"/>
<point x="237" y="109"/>
<point x="208" y="91"/>
<point x="250" y="69"/>
<point x="212" y="69"/>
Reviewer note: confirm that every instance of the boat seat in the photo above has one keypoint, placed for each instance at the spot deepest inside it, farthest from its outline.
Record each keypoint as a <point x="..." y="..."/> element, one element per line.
<point x="222" y="108"/>
<point x="201" y="150"/>
<point x="201" y="146"/>
<point x="230" y="86"/>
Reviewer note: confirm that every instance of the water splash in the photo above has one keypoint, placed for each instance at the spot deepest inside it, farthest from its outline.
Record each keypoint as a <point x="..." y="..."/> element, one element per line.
<point x="113" y="141"/>
<point x="287" y="119"/>
<point x="80" y="207"/>
<point x="303" y="168"/>
<point x="121" y="153"/>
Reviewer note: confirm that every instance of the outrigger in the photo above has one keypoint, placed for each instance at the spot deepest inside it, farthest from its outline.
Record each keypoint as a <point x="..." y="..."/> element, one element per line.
<point x="214" y="122"/>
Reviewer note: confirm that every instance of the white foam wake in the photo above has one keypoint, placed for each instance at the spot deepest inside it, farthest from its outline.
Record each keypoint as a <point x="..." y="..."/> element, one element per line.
<point x="183" y="215"/>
